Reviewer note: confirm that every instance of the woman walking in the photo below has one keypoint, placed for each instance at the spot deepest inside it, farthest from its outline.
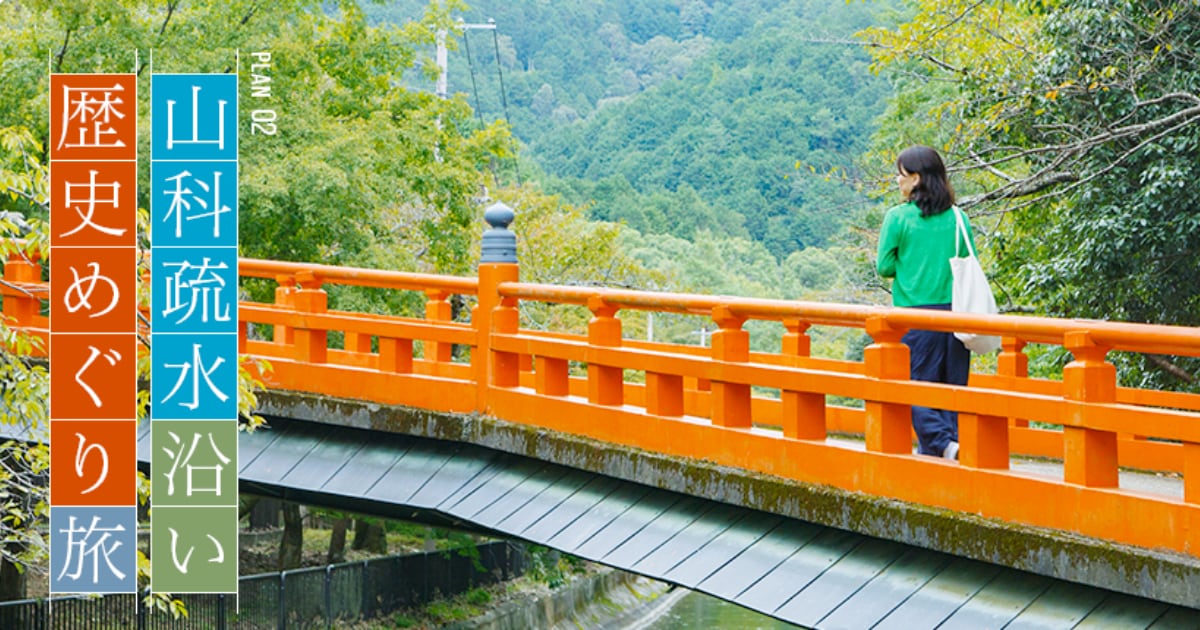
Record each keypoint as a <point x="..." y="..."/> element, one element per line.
<point x="915" y="246"/>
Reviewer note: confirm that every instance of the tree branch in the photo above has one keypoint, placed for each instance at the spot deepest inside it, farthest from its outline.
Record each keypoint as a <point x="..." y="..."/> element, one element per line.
<point x="1170" y="368"/>
<point x="171" y="6"/>
<point x="249" y="14"/>
<point x="1021" y="188"/>
<point x="62" y="51"/>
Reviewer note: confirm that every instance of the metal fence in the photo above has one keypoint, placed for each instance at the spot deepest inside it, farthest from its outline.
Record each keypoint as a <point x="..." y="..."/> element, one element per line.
<point x="323" y="597"/>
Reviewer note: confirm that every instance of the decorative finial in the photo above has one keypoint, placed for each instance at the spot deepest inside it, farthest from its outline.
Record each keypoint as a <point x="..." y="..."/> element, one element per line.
<point x="499" y="244"/>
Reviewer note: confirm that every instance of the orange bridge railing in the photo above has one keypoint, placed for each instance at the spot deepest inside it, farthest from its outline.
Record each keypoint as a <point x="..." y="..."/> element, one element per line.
<point x="703" y="402"/>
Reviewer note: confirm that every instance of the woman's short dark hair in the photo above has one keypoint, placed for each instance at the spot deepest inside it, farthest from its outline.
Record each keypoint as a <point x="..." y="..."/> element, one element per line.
<point x="933" y="194"/>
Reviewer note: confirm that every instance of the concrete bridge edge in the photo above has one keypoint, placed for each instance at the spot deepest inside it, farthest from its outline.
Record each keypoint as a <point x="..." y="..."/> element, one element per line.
<point x="1160" y="575"/>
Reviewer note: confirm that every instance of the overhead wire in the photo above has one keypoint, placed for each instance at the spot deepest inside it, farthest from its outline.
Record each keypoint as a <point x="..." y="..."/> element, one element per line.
<point x="474" y="86"/>
<point x="503" y="93"/>
<point x="504" y="103"/>
<point x="475" y="89"/>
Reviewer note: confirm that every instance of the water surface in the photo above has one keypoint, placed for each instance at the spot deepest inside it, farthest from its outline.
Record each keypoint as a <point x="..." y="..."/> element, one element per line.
<point x="697" y="611"/>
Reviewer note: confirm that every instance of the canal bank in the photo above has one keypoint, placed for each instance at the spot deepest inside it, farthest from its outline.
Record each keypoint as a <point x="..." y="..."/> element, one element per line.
<point x="609" y="598"/>
<point x="600" y="598"/>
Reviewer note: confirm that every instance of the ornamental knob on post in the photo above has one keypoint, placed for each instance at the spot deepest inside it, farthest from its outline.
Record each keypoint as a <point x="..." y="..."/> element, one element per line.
<point x="497" y="264"/>
<point x="499" y="244"/>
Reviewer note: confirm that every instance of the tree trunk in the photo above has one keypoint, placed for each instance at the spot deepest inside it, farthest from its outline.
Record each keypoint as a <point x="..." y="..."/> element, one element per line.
<point x="246" y="504"/>
<point x="370" y="537"/>
<point x="12" y="579"/>
<point x="12" y="582"/>
<point x="360" y="534"/>
<point x="264" y="514"/>
<point x="291" y="545"/>
<point x="337" y="541"/>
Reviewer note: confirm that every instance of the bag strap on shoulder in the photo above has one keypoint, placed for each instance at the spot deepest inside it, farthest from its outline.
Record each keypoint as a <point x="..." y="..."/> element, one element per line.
<point x="960" y="233"/>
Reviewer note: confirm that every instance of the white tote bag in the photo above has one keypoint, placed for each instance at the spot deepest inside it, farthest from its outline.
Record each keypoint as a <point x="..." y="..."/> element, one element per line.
<point x="972" y="294"/>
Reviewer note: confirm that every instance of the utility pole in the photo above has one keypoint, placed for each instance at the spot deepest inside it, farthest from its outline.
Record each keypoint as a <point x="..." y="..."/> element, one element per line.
<point x="441" y="87"/>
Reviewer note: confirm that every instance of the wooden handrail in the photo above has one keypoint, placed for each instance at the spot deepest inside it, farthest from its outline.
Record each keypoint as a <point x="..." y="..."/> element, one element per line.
<point x="357" y="276"/>
<point x="1146" y="338"/>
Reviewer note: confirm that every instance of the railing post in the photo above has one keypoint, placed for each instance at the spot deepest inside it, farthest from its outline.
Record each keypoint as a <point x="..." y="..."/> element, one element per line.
<point x="803" y="415"/>
<point x="1191" y="474"/>
<point x="243" y="335"/>
<point x="1089" y="455"/>
<point x="888" y="425"/>
<point x="20" y="306"/>
<point x="983" y="441"/>
<point x="730" y="401"/>
<point x="437" y="309"/>
<point x="1013" y="363"/>
<point x="497" y="264"/>
<point x="506" y="366"/>
<point x="329" y="597"/>
<point x="551" y="378"/>
<point x="282" y="600"/>
<point x="664" y="394"/>
<point x="311" y="344"/>
<point x="283" y="297"/>
<point x="395" y="355"/>
<point x="1191" y="486"/>
<point x="357" y="342"/>
<point x="606" y="384"/>
<point x="364" y="582"/>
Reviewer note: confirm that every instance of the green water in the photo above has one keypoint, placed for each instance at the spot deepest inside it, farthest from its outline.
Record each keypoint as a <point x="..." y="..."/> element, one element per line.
<point x="697" y="611"/>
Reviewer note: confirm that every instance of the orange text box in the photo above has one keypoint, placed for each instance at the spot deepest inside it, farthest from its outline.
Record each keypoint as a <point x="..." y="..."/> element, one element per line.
<point x="93" y="376"/>
<point x="93" y="117"/>
<point x="93" y="290"/>
<point x="93" y="462"/>
<point x="93" y="204"/>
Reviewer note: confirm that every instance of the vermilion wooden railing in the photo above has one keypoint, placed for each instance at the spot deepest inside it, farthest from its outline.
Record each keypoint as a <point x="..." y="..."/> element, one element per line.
<point x="698" y="402"/>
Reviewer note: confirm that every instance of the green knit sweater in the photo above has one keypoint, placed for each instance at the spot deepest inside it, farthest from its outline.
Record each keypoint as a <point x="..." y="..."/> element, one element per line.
<point x="916" y="251"/>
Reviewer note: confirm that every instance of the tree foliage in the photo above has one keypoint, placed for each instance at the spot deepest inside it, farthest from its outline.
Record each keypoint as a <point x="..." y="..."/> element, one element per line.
<point x="362" y="170"/>
<point x="721" y="143"/>
<point x="358" y="162"/>
<point x="1077" y="123"/>
<point x="678" y="116"/>
<point x="23" y="465"/>
<point x="348" y="140"/>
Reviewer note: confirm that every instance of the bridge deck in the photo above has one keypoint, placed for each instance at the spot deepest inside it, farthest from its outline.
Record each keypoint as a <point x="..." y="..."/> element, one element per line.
<point x="804" y="573"/>
<point x="1164" y="484"/>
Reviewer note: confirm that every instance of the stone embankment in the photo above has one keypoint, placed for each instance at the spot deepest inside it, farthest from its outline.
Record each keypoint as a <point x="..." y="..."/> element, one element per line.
<point x="607" y="598"/>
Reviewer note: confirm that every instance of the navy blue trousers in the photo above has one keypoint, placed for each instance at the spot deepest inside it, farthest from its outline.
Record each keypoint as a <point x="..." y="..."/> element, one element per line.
<point x="937" y="357"/>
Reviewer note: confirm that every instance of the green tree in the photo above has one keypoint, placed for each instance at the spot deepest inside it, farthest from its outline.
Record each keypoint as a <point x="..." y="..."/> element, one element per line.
<point x="1077" y="123"/>
<point x="389" y="144"/>
<point x="355" y="153"/>
<point x="23" y="465"/>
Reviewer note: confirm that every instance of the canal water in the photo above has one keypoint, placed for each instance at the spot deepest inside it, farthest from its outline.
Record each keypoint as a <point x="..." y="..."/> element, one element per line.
<point x="697" y="611"/>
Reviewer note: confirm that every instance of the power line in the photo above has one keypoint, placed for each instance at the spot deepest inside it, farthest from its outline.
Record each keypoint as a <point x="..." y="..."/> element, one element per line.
<point x="444" y="68"/>
<point x="504" y="101"/>
<point x="474" y="86"/>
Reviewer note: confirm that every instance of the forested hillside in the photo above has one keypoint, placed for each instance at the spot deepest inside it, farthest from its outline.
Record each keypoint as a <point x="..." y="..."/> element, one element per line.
<point x="676" y="116"/>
